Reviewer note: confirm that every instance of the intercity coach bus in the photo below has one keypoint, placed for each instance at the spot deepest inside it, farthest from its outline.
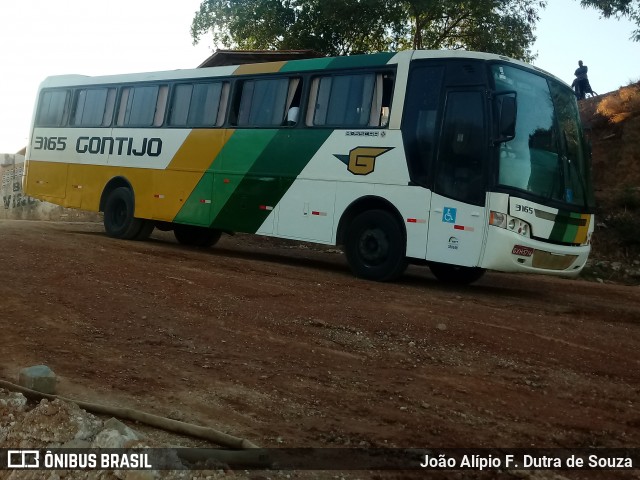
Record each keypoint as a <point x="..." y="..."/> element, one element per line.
<point x="460" y="161"/>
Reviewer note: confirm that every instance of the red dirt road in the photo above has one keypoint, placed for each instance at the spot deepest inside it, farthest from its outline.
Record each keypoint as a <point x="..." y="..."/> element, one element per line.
<point x="278" y="343"/>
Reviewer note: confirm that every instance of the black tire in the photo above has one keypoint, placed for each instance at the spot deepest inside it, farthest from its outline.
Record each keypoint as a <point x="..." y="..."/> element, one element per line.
<point x="196" y="236"/>
<point x="375" y="246"/>
<point x="119" y="221"/>
<point x="147" y="228"/>
<point x="455" y="274"/>
<point x="164" y="226"/>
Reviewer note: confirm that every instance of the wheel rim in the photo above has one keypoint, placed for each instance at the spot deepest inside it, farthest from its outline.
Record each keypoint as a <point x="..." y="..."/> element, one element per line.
<point x="373" y="246"/>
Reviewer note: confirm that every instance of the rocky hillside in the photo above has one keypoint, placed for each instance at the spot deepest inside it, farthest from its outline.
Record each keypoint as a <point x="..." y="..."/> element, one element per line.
<point x="612" y="123"/>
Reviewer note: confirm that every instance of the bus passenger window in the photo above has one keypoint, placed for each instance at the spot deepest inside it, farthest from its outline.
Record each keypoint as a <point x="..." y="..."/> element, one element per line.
<point x="161" y="106"/>
<point x="263" y="102"/>
<point x="358" y="100"/>
<point x="180" y="103"/>
<point x="381" y="101"/>
<point x="343" y="100"/>
<point x="93" y="107"/>
<point x="293" y="102"/>
<point x="196" y="105"/>
<point x="138" y="106"/>
<point x="52" y="110"/>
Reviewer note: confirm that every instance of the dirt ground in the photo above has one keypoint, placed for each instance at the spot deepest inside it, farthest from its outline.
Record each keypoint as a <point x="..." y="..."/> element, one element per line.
<point x="278" y="343"/>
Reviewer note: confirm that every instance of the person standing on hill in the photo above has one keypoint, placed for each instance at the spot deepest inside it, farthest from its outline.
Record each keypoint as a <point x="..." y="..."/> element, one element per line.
<point x="581" y="83"/>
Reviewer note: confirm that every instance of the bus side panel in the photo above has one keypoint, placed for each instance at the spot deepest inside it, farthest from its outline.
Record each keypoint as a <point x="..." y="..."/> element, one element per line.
<point x="75" y="186"/>
<point x="195" y="198"/>
<point x="256" y="169"/>
<point x="413" y="204"/>
<point x="171" y="188"/>
<point x="230" y="209"/>
<point x="47" y="181"/>
<point x="350" y="165"/>
<point x="306" y="212"/>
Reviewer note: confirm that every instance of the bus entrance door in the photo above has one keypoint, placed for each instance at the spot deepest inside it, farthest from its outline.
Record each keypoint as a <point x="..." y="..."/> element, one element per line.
<point x="455" y="232"/>
<point x="456" y="222"/>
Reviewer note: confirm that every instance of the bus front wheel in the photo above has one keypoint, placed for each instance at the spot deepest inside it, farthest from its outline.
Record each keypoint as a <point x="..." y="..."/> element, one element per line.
<point x="456" y="274"/>
<point x="196" y="236"/>
<point x="375" y="246"/>
<point x="119" y="221"/>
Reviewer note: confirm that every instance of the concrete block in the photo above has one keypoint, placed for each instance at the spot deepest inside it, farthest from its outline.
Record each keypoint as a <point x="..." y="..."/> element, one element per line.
<point x="39" y="378"/>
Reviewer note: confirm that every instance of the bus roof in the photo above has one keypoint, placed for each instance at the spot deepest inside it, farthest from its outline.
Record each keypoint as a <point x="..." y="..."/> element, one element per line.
<point x="313" y="64"/>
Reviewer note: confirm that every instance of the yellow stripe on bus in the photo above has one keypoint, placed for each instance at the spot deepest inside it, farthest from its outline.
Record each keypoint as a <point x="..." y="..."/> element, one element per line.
<point x="583" y="231"/>
<point x="174" y="185"/>
<point x="160" y="194"/>
<point x="255" y="68"/>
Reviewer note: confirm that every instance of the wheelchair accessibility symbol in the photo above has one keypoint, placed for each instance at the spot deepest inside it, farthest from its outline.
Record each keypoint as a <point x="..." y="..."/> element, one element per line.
<point x="449" y="215"/>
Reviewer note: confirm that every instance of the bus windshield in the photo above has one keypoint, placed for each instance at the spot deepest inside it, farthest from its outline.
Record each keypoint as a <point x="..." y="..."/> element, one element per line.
<point x="548" y="156"/>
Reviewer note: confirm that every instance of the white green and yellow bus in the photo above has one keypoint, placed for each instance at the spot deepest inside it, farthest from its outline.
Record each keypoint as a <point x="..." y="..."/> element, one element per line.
<point x="460" y="161"/>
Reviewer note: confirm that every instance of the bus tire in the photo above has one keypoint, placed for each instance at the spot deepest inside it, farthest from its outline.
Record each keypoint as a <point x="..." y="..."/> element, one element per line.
<point x="119" y="221"/>
<point x="455" y="274"/>
<point x="147" y="228"/>
<point x="375" y="246"/>
<point x="196" y="236"/>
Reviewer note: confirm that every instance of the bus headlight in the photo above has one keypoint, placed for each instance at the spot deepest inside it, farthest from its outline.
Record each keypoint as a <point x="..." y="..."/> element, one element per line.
<point x="520" y="227"/>
<point x="498" y="219"/>
<point x="512" y="224"/>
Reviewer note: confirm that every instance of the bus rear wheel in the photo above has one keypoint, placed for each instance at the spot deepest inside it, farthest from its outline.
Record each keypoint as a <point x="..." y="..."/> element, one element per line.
<point x="375" y="246"/>
<point x="148" y="226"/>
<point x="119" y="221"/>
<point x="196" y="236"/>
<point x="456" y="274"/>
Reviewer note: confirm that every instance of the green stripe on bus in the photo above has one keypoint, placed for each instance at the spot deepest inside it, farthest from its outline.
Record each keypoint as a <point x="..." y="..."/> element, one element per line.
<point x="194" y="211"/>
<point x="353" y="61"/>
<point x="356" y="61"/>
<point x="572" y="229"/>
<point x="306" y="65"/>
<point x="227" y="169"/>
<point x="559" y="228"/>
<point x="565" y="228"/>
<point x="271" y="175"/>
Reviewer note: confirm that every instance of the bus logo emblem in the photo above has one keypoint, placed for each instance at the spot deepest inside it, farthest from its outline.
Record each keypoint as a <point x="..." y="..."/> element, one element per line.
<point x="362" y="160"/>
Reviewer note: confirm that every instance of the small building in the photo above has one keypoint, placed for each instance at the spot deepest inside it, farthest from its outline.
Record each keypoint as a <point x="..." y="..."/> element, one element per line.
<point x="15" y="205"/>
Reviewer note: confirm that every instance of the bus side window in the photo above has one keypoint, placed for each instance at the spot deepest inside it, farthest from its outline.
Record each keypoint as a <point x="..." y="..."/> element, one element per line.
<point x="142" y="106"/>
<point x="381" y="107"/>
<point x="262" y="102"/>
<point x="419" y="124"/>
<point x="342" y="100"/>
<point x="357" y="100"/>
<point x="293" y="103"/>
<point x="161" y="106"/>
<point x="53" y="108"/>
<point x="93" y="107"/>
<point x="198" y="105"/>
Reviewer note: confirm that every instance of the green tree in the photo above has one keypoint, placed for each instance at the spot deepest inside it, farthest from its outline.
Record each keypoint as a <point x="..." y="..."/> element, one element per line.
<point x="332" y="27"/>
<point x="340" y="27"/>
<point x="497" y="26"/>
<point x="618" y="9"/>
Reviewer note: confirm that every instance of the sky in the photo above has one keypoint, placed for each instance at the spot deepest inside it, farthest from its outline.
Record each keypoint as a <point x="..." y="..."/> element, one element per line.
<point x="39" y="38"/>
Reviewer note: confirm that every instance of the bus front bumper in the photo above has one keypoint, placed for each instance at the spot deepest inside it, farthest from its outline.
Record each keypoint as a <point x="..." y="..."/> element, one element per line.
<point x="507" y="251"/>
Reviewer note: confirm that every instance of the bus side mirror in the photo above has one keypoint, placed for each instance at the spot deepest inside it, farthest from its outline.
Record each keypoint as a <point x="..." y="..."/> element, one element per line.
<point x="506" y="110"/>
